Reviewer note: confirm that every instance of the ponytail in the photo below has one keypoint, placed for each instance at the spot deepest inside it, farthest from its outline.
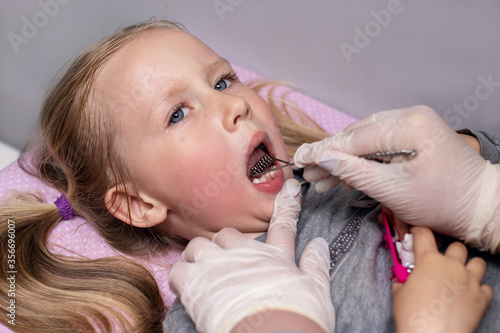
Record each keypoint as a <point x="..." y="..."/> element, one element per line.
<point x="53" y="293"/>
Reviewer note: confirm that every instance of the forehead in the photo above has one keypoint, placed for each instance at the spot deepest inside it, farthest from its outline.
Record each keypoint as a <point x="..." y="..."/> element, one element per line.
<point x="166" y="50"/>
<point x="150" y="63"/>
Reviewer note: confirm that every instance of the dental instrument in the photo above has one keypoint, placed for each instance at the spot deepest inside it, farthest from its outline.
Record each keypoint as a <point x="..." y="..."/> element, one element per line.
<point x="382" y="157"/>
<point x="262" y="164"/>
<point x="388" y="156"/>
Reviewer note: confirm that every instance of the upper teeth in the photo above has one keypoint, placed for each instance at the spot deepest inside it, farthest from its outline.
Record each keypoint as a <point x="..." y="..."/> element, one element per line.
<point x="261" y="165"/>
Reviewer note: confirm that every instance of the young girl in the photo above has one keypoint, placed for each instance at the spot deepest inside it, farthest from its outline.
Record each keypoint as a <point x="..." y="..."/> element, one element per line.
<point x="151" y="137"/>
<point x="113" y="140"/>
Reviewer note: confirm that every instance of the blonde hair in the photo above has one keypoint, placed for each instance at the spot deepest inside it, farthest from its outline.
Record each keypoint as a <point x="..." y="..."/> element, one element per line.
<point x="75" y="155"/>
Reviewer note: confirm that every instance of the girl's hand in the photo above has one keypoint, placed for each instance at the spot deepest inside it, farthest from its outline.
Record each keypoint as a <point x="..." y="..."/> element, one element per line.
<point x="234" y="277"/>
<point x="447" y="187"/>
<point x="444" y="292"/>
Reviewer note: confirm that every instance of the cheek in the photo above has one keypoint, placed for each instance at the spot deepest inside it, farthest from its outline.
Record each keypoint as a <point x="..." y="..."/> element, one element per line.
<point x="264" y="115"/>
<point x="206" y="177"/>
<point x="211" y="187"/>
<point x="260" y="107"/>
<point x="216" y="197"/>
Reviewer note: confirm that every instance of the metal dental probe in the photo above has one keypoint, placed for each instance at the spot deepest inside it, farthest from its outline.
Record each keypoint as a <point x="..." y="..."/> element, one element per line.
<point x="287" y="164"/>
<point x="381" y="157"/>
<point x="387" y="156"/>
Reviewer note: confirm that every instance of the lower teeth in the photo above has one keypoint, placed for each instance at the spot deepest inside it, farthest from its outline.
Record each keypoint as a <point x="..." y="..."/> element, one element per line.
<point x="265" y="177"/>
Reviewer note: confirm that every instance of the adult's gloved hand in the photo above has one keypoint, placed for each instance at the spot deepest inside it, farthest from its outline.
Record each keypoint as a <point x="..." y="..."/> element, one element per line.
<point x="447" y="187"/>
<point x="233" y="277"/>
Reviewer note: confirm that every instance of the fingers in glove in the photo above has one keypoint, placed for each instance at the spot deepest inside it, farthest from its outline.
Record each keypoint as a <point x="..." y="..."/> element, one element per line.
<point x="199" y="249"/>
<point x="315" y="261"/>
<point x="315" y="173"/>
<point x="359" y="173"/>
<point x="356" y="141"/>
<point x="283" y="228"/>
<point x="376" y="179"/>
<point x="305" y="155"/>
<point x="384" y="131"/>
<point x="333" y="161"/>
<point x="178" y="276"/>
<point x="373" y="134"/>
<point x="230" y="238"/>
<point x="326" y="184"/>
<point x="373" y="118"/>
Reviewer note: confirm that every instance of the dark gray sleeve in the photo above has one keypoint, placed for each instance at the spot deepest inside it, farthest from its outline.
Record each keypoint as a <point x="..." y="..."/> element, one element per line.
<point x="178" y="321"/>
<point x="490" y="145"/>
<point x="490" y="150"/>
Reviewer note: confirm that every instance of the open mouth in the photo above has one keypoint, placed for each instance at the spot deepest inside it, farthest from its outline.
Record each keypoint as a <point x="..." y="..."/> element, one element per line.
<point x="260" y="161"/>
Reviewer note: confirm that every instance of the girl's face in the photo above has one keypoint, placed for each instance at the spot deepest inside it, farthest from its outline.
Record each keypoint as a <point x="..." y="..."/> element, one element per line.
<point x="187" y="130"/>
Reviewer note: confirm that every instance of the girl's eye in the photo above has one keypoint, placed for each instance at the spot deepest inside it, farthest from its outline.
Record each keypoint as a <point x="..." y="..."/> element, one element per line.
<point x="222" y="84"/>
<point x="179" y="114"/>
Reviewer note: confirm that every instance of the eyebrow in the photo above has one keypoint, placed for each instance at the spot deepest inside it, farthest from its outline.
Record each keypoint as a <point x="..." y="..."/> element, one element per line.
<point x="212" y="67"/>
<point x="219" y="63"/>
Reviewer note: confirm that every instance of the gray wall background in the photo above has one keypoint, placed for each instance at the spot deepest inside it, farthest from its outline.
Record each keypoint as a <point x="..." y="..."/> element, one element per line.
<point x="358" y="56"/>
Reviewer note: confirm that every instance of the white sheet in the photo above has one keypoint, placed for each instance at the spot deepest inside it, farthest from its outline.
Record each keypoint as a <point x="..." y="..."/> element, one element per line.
<point x="8" y="154"/>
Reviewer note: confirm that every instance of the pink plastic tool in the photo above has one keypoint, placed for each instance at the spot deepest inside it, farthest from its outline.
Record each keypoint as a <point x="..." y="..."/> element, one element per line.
<point x="399" y="271"/>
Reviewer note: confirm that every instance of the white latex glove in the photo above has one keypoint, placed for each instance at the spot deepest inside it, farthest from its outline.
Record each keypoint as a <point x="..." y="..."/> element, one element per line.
<point x="234" y="276"/>
<point x="447" y="187"/>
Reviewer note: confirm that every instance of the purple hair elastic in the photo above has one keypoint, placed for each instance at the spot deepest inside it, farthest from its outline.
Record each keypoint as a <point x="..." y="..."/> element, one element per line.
<point x="64" y="207"/>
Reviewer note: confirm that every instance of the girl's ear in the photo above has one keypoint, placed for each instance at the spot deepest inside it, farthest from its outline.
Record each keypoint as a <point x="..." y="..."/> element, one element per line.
<point x="145" y="211"/>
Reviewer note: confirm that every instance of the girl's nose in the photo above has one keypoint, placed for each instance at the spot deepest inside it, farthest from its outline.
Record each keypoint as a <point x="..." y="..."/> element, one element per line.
<point x="236" y="109"/>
